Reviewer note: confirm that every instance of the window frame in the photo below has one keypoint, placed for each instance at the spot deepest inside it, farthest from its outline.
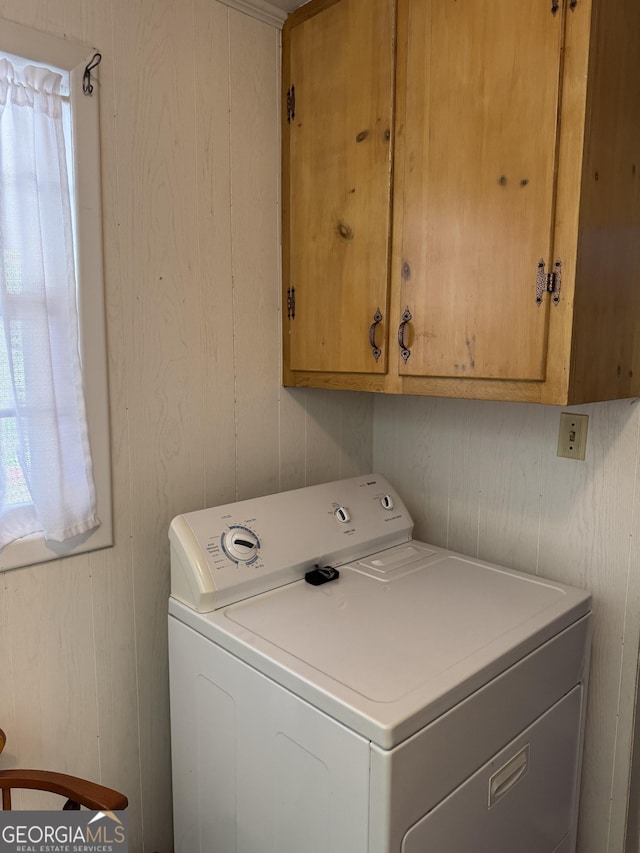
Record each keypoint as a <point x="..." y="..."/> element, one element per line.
<point x="53" y="51"/>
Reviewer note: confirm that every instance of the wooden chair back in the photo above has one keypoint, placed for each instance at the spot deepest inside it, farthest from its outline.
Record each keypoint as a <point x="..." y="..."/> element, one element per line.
<point x="78" y="792"/>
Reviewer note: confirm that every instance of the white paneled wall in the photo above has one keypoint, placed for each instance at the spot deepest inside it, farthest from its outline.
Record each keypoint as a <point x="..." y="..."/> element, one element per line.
<point x="190" y="162"/>
<point x="484" y="478"/>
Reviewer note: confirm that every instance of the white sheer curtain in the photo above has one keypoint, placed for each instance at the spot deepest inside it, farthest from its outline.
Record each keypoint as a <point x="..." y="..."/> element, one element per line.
<point x="46" y="483"/>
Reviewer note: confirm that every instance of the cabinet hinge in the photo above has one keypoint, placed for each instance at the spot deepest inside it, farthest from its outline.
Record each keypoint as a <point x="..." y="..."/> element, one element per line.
<point x="291" y="303"/>
<point x="550" y="282"/>
<point x="291" y="103"/>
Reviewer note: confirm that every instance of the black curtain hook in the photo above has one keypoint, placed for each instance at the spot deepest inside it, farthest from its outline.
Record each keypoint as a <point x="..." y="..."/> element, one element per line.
<point x="87" y="86"/>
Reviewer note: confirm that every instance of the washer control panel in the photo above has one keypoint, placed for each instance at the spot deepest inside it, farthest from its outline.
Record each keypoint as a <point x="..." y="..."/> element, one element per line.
<point x="228" y="553"/>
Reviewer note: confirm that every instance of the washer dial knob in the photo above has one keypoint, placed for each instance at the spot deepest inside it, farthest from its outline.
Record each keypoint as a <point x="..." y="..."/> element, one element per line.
<point x="387" y="502"/>
<point x="343" y="514"/>
<point x="241" y="544"/>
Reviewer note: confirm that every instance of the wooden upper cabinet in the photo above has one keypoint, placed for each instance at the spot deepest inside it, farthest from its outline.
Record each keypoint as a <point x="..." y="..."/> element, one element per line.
<point x="339" y="75"/>
<point x="475" y="161"/>
<point x="506" y="258"/>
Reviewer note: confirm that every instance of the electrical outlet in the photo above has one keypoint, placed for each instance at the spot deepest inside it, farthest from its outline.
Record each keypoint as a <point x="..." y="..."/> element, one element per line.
<point x="572" y="439"/>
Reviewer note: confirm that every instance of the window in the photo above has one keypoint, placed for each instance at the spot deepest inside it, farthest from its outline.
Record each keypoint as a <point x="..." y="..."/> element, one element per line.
<point x="49" y="67"/>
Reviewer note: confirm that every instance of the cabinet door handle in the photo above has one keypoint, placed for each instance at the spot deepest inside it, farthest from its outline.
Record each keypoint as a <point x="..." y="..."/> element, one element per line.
<point x="375" y="350"/>
<point x="406" y="318"/>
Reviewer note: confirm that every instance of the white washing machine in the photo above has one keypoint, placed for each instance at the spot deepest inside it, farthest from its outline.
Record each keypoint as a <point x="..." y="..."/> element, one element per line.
<point x="400" y="699"/>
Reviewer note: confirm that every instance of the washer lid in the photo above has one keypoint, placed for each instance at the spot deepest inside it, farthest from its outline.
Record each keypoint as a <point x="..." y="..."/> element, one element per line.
<point x="400" y="638"/>
<point x="385" y="637"/>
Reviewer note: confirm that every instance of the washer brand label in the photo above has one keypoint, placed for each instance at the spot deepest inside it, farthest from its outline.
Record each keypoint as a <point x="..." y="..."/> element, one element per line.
<point x="63" y="832"/>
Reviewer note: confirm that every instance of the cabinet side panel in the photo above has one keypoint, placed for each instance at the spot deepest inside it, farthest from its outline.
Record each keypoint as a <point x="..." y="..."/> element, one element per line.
<point x="606" y="342"/>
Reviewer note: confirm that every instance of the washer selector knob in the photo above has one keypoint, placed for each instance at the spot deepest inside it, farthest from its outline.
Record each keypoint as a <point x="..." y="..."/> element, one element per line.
<point x="241" y="544"/>
<point x="387" y="502"/>
<point x="343" y="515"/>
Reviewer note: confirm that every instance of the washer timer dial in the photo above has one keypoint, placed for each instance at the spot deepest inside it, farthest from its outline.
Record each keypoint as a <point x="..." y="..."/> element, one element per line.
<point x="342" y="514"/>
<point x="241" y="544"/>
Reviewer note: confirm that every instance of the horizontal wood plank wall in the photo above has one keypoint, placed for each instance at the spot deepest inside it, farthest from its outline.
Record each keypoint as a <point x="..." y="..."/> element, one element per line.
<point x="190" y="169"/>
<point x="484" y="478"/>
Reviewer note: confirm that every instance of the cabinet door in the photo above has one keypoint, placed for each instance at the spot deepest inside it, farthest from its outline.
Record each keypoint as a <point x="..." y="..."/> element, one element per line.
<point x="478" y="98"/>
<point x="339" y="67"/>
